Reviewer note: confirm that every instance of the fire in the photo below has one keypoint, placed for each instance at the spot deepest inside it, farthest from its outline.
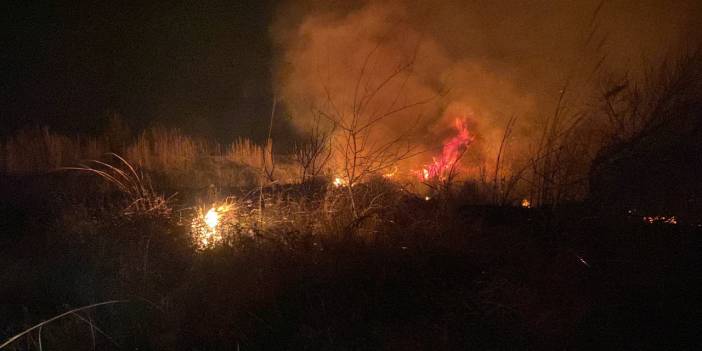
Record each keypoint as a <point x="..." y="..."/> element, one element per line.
<point x="206" y="227"/>
<point x="526" y="203"/>
<point x="212" y="218"/>
<point x="391" y="173"/>
<point x="443" y="165"/>
<point x="339" y="182"/>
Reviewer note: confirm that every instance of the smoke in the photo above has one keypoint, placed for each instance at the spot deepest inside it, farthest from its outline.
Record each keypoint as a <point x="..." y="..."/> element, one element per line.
<point x="481" y="61"/>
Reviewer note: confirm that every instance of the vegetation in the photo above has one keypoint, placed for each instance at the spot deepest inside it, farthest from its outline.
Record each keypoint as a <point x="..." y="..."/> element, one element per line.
<point x="179" y="160"/>
<point x="307" y="274"/>
<point x="101" y="256"/>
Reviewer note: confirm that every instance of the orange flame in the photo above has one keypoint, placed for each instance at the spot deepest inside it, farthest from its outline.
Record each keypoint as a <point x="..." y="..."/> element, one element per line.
<point x="453" y="149"/>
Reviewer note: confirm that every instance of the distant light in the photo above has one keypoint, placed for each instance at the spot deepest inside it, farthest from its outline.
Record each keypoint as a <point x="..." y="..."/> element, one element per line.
<point x="427" y="198"/>
<point x="582" y="260"/>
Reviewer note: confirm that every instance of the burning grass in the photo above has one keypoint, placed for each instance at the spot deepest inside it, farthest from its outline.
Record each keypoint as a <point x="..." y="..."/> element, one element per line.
<point x="226" y="270"/>
<point x="444" y="167"/>
<point x="213" y="227"/>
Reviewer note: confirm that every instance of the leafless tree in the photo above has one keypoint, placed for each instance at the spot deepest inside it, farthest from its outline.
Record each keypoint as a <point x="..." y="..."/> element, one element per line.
<point x="358" y="148"/>
<point x="636" y="109"/>
<point x="650" y="125"/>
<point x="314" y="153"/>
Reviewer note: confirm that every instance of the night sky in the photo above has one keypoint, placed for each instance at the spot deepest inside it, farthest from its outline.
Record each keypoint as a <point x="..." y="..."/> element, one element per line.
<point x="203" y="67"/>
<point x="209" y="67"/>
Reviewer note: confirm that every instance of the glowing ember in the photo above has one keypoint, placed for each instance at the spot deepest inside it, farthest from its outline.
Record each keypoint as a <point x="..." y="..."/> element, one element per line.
<point x="391" y="173"/>
<point x="442" y="166"/>
<point x="660" y="219"/>
<point x="526" y="203"/>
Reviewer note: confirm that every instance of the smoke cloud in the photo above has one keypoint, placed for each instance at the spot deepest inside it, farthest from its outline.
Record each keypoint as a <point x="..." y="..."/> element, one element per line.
<point x="483" y="61"/>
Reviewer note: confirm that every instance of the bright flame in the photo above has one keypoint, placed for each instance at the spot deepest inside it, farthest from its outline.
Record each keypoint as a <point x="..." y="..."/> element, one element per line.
<point x="526" y="203"/>
<point x="442" y="166"/>
<point x="212" y="218"/>
<point x="206" y="229"/>
<point x="425" y="174"/>
<point x="338" y="182"/>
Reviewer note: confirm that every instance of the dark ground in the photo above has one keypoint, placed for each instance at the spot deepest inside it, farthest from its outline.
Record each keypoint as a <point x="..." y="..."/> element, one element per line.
<point x="473" y="277"/>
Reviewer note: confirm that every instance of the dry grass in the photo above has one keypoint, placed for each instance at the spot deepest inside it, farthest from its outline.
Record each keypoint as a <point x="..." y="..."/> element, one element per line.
<point x="137" y="188"/>
<point x="246" y="152"/>
<point x="300" y="215"/>
<point x="177" y="158"/>
<point x="165" y="149"/>
<point x="40" y="150"/>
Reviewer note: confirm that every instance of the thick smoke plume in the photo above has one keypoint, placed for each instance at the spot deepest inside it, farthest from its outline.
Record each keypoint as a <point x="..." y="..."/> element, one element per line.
<point x="481" y="61"/>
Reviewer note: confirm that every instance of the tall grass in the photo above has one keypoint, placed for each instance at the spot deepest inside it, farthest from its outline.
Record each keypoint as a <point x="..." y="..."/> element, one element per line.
<point x="244" y="151"/>
<point x="165" y="149"/>
<point x="157" y="150"/>
<point x="40" y="150"/>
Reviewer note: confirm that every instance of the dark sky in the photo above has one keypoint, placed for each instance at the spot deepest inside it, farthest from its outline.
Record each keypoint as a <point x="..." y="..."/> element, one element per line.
<point x="207" y="66"/>
<point x="202" y="66"/>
